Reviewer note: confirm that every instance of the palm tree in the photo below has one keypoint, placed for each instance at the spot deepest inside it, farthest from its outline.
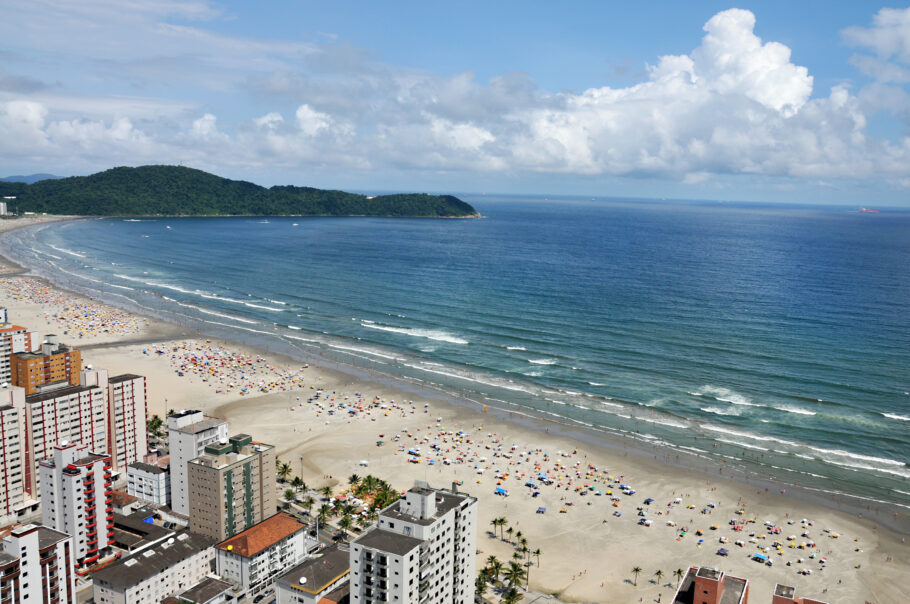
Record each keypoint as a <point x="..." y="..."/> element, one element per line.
<point x="326" y="491"/>
<point x="511" y="596"/>
<point x="289" y="495"/>
<point x="323" y="514"/>
<point x="510" y="530"/>
<point x="353" y="479"/>
<point x="298" y="483"/>
<point x="345" y="524"/>
<point x="480" y="586"/>
<point x="495" y="523"/>
<point x="154" y="425"/>
<point x="536" y="552"/>
<point x="278" y="463"/>
<point x="659" y="574"/>
<point x="518" y="536"/>
<point x="284" y="470"/>
<point x="636" y="570"/>
<point x="523" y="544"/>
<point x="679" y="573"/>
<point x="495" y="569"/>
<point x="515" y="574"/>
<point x="308" y="503"/>
<point x="503" y="522"/>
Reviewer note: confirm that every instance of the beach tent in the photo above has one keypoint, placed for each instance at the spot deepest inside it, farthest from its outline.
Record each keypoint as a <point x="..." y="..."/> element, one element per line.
<point x="501" y="491"/>
<point x="541" y="510"/>
<point x="723" y="552"/>
<point x="759" y="557"/>
<point x="649" y="501"/>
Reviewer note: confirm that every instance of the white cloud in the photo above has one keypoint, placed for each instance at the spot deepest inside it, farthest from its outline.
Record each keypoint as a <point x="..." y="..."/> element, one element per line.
<point x="734" y="105"/>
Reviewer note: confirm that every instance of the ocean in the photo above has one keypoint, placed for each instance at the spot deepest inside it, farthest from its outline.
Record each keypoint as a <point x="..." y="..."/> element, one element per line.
<point x="774" y="340"/>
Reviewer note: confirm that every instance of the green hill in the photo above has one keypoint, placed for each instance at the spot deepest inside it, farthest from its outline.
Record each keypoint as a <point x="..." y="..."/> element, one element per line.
<point x="178" y="191"/>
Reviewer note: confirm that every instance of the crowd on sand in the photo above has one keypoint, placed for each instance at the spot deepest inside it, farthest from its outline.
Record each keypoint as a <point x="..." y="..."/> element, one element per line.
<point x="75" y="318"/>
<point x="228" y="371"/>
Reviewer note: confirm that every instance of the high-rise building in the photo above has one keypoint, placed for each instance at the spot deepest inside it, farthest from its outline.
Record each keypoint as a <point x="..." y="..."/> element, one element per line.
<point x="126" y="415"/>
<point x="188" y="434"/>
<point x="149" y="482"/>
<point x="711" y="586"/>
<point x="76" y="499"/>
<point x="785" y="594"/>
<point x="231" y="486"/>
<point x="422" y="551"/>
<point x="12" y="464"/>
<point x="53" y="366"/>
<point x="13" y="339"/>
<point x="36" y="565"/>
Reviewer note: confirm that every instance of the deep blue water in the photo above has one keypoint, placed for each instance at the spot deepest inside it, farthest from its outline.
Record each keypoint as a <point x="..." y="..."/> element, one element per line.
<point x="779" y="337"/>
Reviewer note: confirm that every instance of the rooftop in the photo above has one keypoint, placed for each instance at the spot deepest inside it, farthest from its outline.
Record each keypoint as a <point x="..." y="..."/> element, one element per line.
<point x="60" y="349"/>
<point x="205" y="590"/>
<point x="445" y="502"/>
<point x="123" y="378"/>
<point x="785" y="591"/>
<point x="146" y="467"/>
<point x="387" y="541"/>
<point x="732" y="593"/>
<point x="201" y="426"/>
<point x="262" y="535"/>
<point x="121" y="498"/>
<point x="48" y="537"/>
<point x="141" y="566"/>
<point x="316" y="574"/>
<point x="6" y="559"/>
<point x="132" y="531"/>
<point x="58" y="393"/>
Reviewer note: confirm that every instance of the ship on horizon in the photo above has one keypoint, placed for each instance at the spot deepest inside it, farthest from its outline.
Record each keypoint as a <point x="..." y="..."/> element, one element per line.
<point x="868" y="211"/>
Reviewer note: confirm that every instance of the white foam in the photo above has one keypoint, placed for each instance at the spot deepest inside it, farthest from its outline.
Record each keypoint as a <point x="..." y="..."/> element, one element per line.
<point x="364" y="351"/>
<point x="596" y="384"/>
<point x="542" y="361"/>
<point x="669" y="423"/>
<point x="902" y="418"/>
<point x="122" y="287"/>
<point x="278" y="302"/>
<point x="66" y="251"/>
<point x="301" y="339"/>
<point x="739" y="444"/>
<point x="719" y="411"/>
<point x="727" y="396"/>
<point x="430" y="334"/>
<point x="515" y="348"/>
<point x="294" y="327"/>
<point x="796" y="410"/>
<point x="269" y="308"/>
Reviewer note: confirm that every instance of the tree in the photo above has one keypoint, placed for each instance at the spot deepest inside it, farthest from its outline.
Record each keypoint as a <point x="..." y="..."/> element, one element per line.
<point x="511" y="596"/>
<point x="495" y="568"/>
<point x="284" y="470"/>
<point x="308" y="502"/>
<point x="326" y="491"/>
<point x="510" y="530"/>
<point x="323" y="514"/>
<point x="345" y="524"/>
<point x="297" y="483"/>
<point x="154" y="425"/>
<point x="636" y="570"/>
<point x="659" y="574"/>
<point x="353" y="479"/>
<point x="289" y="495"/>
<point x="679" y="573"/>
<point x="480" y="585"/>
<point x="536" y="552"/>
<point x="515" y="574"/>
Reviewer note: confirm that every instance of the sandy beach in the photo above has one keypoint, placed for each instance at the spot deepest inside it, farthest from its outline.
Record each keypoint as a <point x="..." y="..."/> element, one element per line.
<point x="326" y="424"/>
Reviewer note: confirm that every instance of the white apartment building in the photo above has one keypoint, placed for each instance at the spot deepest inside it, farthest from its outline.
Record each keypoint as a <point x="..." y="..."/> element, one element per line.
<point x="252" y="559"/>
<point x="13" y="500"/>
<point x="126" y="415"/>
<point x="188" y="434"/>
<point x="76" y="499"/>
<point x="149" y="483"/>
<point x="322" y="575"/>
<point x="13" y="339"/>
<point x="36" y="566"/>
<point x="155" y="573"/>
<point x="422" y="551"/>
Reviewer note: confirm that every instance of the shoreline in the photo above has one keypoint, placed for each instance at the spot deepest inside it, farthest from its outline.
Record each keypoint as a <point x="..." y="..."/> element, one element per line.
<point x="655" y="462"/>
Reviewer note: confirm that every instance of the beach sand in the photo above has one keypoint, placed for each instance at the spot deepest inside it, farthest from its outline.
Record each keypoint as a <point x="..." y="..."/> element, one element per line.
<point x="583" y="558"/>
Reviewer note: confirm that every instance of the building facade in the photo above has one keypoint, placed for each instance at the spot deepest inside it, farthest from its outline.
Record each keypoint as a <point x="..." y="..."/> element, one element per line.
<point x="422" y="551"/>
<point x="149" y="483"/>
<point x="54" y="365"/>
<point x="231" y="486"/>
<point x="252" y="559"/>
<point x="13" y="339"/>
<point x="321" y="578"/>
<point x="76" y="499"/>
<point x="126" y="415"/>
<point x="155" y="573"/>
<point x="188" y="434"/>
<point x="12" y="449"/>
<point x="36" y="565"/>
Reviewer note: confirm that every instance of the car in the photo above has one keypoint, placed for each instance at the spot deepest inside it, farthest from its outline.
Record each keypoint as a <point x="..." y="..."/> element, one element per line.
<point x="258" y="598"/>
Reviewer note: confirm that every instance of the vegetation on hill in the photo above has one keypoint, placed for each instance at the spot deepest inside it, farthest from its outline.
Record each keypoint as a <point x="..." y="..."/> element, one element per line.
<point x="179" y="191"/>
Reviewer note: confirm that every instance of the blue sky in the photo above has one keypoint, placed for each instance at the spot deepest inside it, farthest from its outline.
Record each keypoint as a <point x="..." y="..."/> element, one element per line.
<point x="781" y="101"/>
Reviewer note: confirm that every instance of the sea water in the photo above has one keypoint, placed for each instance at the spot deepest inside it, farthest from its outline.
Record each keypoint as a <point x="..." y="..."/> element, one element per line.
<point x="774" y="340"/>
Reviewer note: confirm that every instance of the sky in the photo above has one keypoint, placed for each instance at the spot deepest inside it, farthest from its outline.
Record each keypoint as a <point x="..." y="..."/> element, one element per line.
<point x="780" y="101"/>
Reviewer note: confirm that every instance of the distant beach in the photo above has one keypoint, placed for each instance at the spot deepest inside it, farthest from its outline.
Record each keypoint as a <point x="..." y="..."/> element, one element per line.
<point x="325" y="422"/>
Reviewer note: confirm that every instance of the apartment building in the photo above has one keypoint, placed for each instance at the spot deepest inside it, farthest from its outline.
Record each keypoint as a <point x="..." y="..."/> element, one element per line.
<point x="13" y="500"/>
<point x="13" y="339"/>
<point x="786" y="594"/>
<point x="422" y="551"/>
<point x="320" y="579"/>
<point x="252" y="559"/>
<point x="711" y="586"/>
<point x="155" y="573"/>
<point x="36" y="566"/>
<point x="231" y="486"/>
<point x="148" y="482"/>
<point x="76" y="499"/>
<point x="126" y="415"/>
<point x="52" y="366"/>
<point x="189" y="432"/>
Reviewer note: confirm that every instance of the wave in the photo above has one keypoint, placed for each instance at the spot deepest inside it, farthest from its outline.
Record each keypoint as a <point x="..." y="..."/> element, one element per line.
<point x="596" y="384"/>
<point x="430" y="334"/>
<point x="121" y="287"/>
<point x="269" y="308"/>
<point x="719" y="411"/>
<point x="515" y="348"/>
<point x="66" y="251"/>
<point x="726" y="395"/>
<point x="796" y="410"/>
<point x="902" y="418"/>
<point x="542" y="361"/>
<point x="222" y="298"/>
<point x="739" y="444"/>
<point x="277" y="302"/>
<point x="364" y="351"/>
<point x="211" y="312"/>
